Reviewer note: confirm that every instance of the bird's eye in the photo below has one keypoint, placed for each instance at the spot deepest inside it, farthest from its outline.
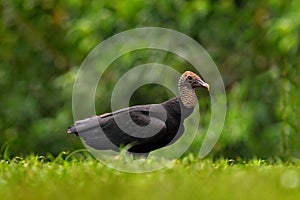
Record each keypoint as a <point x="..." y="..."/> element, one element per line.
<point x="190" y="78"/>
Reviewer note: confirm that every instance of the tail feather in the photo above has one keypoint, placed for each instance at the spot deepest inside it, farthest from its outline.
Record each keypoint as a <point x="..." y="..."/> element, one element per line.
<point x="72" y="130"/>
<point x="90" y="132"/>
<point x="83" y="125"/>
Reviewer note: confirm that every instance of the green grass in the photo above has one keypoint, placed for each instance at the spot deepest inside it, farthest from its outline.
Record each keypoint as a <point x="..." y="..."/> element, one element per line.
<point x="36" y="177"/>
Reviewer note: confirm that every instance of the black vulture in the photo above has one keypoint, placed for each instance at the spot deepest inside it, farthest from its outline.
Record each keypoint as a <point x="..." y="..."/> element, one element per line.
<point x="142" y="128"/>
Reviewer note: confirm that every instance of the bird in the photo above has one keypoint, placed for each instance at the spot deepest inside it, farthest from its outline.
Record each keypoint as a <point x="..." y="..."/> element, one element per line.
<point x="143" y="128"/>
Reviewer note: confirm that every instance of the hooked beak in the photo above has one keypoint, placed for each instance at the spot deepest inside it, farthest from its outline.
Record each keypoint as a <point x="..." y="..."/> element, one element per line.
<point x="200" y="83"/>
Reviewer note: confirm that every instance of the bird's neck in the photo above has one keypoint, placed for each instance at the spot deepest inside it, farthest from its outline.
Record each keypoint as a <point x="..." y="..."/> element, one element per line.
<point x="187" y="95"/>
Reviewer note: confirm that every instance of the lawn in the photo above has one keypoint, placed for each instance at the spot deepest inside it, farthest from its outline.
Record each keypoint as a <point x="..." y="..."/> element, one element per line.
<point x="35" y="177"/>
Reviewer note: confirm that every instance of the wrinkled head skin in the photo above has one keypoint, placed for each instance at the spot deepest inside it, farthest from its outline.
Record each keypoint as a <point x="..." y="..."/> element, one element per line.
<point x="194" y="80"/>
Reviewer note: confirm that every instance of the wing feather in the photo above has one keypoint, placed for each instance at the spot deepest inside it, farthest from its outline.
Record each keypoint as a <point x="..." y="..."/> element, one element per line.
<point x="102" y="132"/>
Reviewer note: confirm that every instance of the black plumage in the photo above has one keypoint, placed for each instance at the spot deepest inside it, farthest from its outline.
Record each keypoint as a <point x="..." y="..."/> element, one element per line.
<point x="143" y="128"/>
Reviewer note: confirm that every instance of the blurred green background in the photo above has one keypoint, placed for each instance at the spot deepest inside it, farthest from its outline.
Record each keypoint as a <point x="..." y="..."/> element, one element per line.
<point x="255" y="44"/>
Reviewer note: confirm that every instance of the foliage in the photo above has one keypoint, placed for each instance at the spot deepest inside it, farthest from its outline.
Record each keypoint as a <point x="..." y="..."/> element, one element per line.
<point x="255" y="44"/>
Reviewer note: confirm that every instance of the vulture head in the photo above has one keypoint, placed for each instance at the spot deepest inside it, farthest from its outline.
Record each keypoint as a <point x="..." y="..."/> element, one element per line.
<point x="187" y="84"/>
<point x="191" y="79"/>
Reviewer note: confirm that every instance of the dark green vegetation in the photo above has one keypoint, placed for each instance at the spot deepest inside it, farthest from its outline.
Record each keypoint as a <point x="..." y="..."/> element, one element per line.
<point x="36" y="178"/>
<point x="255" y="44"/>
